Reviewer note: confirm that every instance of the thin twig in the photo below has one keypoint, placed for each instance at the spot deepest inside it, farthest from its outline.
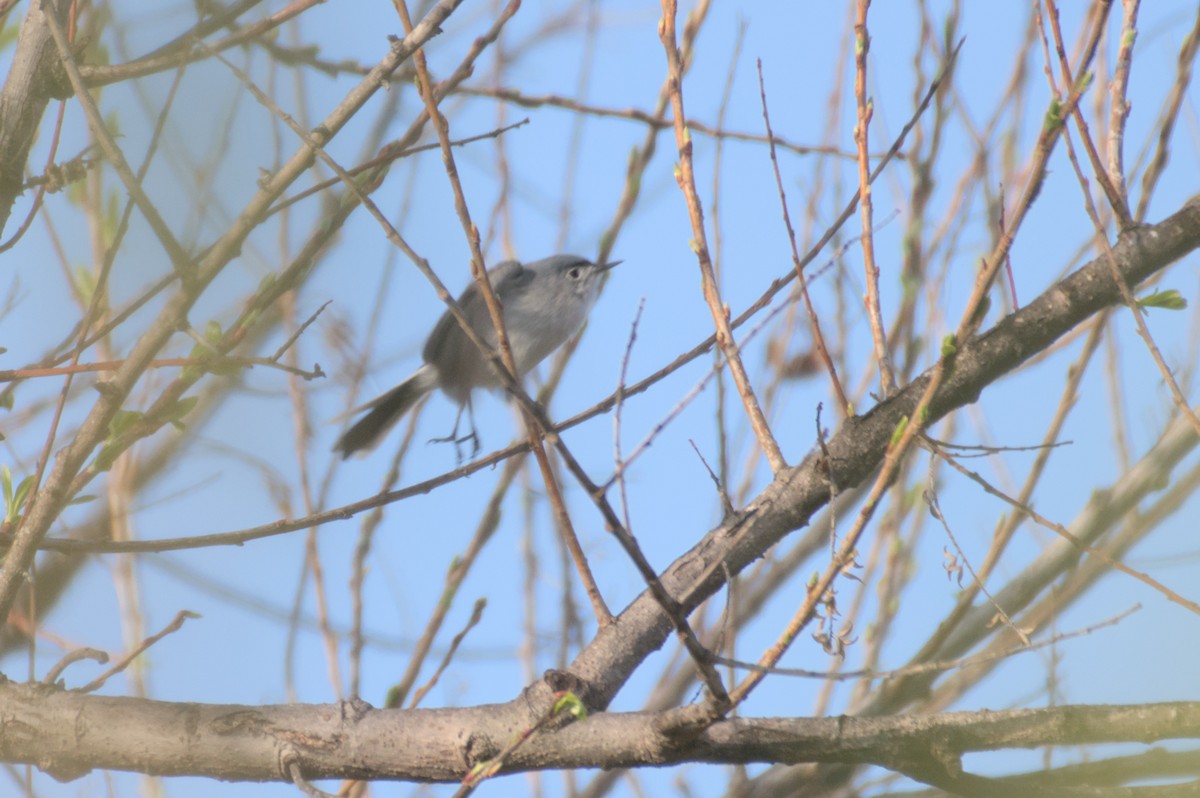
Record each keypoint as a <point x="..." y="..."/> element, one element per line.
<point x="123" y="663"/>
<point x="618" y="460"/>
<point x="938" y="666"/>
<point x="217" y="362"/>
<point x="844" y="406"/>
<point x="865" y="110"/>
<point x="654" y="120"/>
<point x="726" y="504"/>
<point x="455" y="642"/>
<point x="1118" y="112"/>
<point x="935" y="509"/>
<point x="1116" y="200"/>
<point x="1174" y="104"/>
<point x="389" y="154"/>
<point x="1074" y="540"/>
<point x="295" y="336"/>
<point x="686" y="179"/>
<point x="1181" y="402"/>
<point x="70" y="658"/>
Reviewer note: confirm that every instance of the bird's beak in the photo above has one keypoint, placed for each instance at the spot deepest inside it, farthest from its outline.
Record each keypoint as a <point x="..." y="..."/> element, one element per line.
<point x="603" y="267"/>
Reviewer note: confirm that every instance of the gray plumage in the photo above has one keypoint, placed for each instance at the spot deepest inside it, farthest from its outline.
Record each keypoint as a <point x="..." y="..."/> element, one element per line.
<point x="544" y="303"/>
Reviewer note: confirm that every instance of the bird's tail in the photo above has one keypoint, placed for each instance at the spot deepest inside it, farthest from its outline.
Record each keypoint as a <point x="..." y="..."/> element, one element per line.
<point x="385" y="411"/>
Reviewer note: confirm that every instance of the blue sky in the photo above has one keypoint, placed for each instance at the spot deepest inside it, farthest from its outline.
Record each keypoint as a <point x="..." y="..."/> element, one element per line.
<point x="236" y="653"/>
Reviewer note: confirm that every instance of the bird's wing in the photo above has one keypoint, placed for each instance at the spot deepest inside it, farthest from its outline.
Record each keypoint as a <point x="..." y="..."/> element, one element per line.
<point x="447" y="334"/>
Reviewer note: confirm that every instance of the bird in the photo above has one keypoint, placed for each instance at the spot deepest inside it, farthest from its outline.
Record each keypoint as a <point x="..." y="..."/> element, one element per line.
<point x="544" y="303"/>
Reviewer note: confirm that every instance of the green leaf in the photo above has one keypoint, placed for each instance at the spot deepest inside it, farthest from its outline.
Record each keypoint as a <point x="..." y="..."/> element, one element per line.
<point x="1168" y="300"/>
<point x="569" y="702"/>
<point x="950" y="345"/>
<point x="110" y="219"/>
<point x="22" y="494"/>
<point x="113" y="446"/>
<point x="898" y="432"/>
<point x="182" y="407"/>
<point x="112" y="121"/>
<point x="123" y="420"/>
<point x="14" y="501"/>
<point x="107" y="456"/>
<point x="85" y="283"/>
<point x="266" y="283"/>
<point x="1054" y="118"/>
<point x="77" y="193"/>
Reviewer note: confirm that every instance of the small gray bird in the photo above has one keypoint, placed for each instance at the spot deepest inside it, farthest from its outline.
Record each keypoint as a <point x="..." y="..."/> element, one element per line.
<point x="544" y="304"/>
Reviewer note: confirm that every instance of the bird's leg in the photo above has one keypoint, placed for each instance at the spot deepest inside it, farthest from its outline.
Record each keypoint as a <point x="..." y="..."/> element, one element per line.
<point x="474" y="436"/>
<point x="455" y="439"/>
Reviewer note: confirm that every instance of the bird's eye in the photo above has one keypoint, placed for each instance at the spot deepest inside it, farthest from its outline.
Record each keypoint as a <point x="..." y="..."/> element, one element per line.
<point x="575" y="272"/>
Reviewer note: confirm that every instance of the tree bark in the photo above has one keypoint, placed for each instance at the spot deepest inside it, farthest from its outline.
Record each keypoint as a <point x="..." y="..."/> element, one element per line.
<point x="34" y="78"/>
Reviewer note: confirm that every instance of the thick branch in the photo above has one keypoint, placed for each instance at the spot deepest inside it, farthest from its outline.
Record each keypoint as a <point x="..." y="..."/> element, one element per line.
<point x="69" y="734"/>
<point x="861" y="443"/>
<point x="34" y="77"/>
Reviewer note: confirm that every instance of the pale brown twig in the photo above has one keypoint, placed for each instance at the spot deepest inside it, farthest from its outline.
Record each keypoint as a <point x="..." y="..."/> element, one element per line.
<point x="1116" y="200"/>
<point x="687" y="183"/>
<point x="1052" y="127"/>
<point x="1118" y="104"/>
<point x="865" y="109"/>
<point x="1175" y="101"/>
<point x="70" y="658"/>
<point x="123" y="663"/>
<point x="844" y="558"/>
<point x="180" y="260"/>
<point x="455" y="642"/>
<point x="718" y="251"/>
